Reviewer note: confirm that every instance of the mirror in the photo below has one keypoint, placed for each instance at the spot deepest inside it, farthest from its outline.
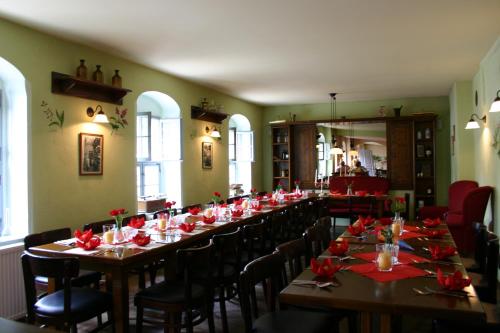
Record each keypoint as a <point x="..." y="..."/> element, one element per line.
<point x="363" y="141"/>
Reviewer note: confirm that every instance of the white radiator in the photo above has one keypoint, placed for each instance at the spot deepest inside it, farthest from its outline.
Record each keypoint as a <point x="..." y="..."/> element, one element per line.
<point x="12" y="301"/>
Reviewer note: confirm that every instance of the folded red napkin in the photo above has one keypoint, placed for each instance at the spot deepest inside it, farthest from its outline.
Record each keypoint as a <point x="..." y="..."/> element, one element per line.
<point x="136" y="223"/>
<point x="338" y="249"/>
<point x="431" y="223"/>
<point x="440" y="253"/>
<point x="188" y="227"/>
<point x="404" y="257"/>
<point x="361" y="193"/>
<point x="366" y="221"/>
<point x="273" y="203"/>
<point x="269" y="195"/>
<point x="398" y="272"/>
<point x="356" y="230"/>
<point x="208" y="220"/>
<point x="378" y="193"/>
<point x="194" y="210"/>
<point x="259" y="197"/>
<point x="454" y="281"/>
<point x="86" y="240"/>
<point x="141" y="239"/>
<point x="385" y="220"/>
<point x="237" y="213"/>
<point x="238" y="202"/>
<point x="257" y="208"/>
<point x="325" y="268"/>
<point x="434" y="233"/>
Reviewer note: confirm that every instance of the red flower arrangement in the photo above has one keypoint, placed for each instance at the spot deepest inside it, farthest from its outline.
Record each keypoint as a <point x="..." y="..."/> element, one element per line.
<point x="431" y="223"/>
<point x="356" y="230"/>
<point x="208" y="220"/>
<point x="194" y="210"/>
<point x="136" y="222"/>
<point x="325" y="268"/>
<point x="253" y="193"/>
<point x="141" y="239"/>
<point x="86" y="240"/>
<point x="187" y="227"/>
<point x="338" y="249"/>
<point x="257" y="208"/>
<point x="216" y="198"/>
<point x="454" y="281"/>
<point x="398" y="205"/>
<point x="440" y="253"/>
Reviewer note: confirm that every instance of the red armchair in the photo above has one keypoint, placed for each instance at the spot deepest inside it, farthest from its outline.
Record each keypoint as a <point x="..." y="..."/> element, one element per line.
<point x="456" y="195"/>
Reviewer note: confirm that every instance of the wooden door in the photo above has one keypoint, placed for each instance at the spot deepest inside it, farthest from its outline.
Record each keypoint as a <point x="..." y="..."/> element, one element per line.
<point x="304" y="154"/>
<point x="400" y="154"/>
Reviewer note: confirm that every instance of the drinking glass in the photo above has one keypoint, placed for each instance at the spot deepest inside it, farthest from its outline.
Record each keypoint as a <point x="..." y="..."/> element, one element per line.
<point x="398" y="226"/>
<point x="108" y="232"/>
<point x="384" y="257"/>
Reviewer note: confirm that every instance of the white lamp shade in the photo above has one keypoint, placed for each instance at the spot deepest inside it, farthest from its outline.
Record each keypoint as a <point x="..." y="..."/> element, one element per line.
<point x="495" y="106"/>
<point x="472" y="124"/>
<point x="101" y="118"/>
<point x="336" y="151"/>
<point x="215" y="134"/>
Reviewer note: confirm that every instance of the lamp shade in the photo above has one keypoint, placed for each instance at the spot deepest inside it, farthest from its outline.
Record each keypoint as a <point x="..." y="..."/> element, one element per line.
<point x="336" y="151"/>
<point x="101" y="118"/>
<point x="472" y="124"/>
<point x="495" y="106"/>
<point x="215" y="133"/>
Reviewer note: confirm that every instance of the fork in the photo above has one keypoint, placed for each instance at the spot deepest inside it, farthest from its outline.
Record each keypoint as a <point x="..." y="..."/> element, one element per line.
<point x="337" y="257"/>
<point x="314" y="283"/>
<point x="429" y="291"/>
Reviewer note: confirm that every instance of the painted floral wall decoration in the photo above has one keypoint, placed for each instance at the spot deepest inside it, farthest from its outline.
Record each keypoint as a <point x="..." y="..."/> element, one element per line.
<point x="54" y="118"/>
<point x="118" y="121"/>
<point x="496" y="139"/>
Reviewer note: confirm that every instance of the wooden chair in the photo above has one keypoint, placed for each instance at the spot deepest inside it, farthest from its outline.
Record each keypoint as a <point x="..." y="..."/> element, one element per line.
<point x="68" y="305"/>
<point x="316" y="240"/>
<point x="326" y="223"/>
<point x="294" y="253"/>
<point x="254" y="241"/>
<point x="269" y="269"/>
<point x="227" y="269"/>
<point x="279" y="228"/>
<point x="191" y="292"/>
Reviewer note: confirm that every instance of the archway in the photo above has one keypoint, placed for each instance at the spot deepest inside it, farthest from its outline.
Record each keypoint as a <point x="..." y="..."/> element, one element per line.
<point x="241" y="154"/>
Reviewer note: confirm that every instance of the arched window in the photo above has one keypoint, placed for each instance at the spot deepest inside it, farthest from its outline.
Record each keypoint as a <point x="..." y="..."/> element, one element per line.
<point x="14" y="217"/>
<point x="240" y="152"/>
<point x="159" y="151"/>
<point x="323" y="152"/>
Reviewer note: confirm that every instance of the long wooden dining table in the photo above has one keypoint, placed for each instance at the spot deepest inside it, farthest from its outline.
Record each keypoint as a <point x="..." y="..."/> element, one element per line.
<point x="117" y="262"/>
<point x="359" y="293"/>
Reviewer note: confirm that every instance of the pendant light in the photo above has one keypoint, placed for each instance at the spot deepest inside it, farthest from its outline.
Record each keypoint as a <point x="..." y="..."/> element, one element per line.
<point x="352" y="150"/>
<point x="334" y="150"/>
<point x="495" y="106"/>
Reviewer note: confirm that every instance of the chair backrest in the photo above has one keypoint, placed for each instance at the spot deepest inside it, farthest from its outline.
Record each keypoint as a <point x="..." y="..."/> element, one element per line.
<point x="62" y="270"/>
<point x="46" y="237"/>
<point x="475" y="203"/>
<point x="278" y="226"/>
<point x="294" y="254"/>
<point x="457" y="192"/>
<point x="254" y="239"/>
<point x="96" y="227"/>
<point x="326" y="223"/>
<point x="187" y="208"/>
<point x="267" y="269"/>
<point x="228" y="251"/>
<point x="316" y="240"/>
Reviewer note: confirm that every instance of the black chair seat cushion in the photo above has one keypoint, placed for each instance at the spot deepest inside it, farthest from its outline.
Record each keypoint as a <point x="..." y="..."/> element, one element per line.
<point x="171" y="292"/>
<point x="294" y="321"/>
<point x="86" y="303"/>
<point x="85" y="278"/>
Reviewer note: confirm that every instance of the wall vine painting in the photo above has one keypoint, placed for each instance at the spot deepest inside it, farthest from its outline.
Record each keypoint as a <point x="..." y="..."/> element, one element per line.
<point x="54" y="118"/>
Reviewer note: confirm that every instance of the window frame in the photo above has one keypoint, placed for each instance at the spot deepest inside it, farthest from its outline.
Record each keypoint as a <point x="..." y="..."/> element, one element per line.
<point x="149" y="115"/>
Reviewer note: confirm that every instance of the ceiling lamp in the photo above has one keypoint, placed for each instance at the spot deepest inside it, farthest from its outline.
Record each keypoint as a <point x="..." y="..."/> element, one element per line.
<point x="100" y="116"/>
<point x="473" y="124"/>
<point x="495" y="106"/>
<point x="335" y="149"/>
<point x="352" y="150"/>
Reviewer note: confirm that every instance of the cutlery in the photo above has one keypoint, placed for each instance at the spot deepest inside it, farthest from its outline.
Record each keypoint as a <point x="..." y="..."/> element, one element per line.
<point x="437" y="292"/>
<point x="459" y="293"/>
<point x="439" y="262"/>
<point x="337" y="257"/>
<point x="314" y="283"/>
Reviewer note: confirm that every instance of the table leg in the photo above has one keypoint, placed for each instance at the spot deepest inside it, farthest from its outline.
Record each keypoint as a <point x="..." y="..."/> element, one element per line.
<point x="366" y="322"/>
<point x="119" y="285"/>
<point x="385" y="323"/>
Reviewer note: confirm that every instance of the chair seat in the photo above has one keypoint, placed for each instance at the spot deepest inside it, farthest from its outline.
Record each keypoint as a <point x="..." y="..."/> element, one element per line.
<point x="294" y="321"/>
<point x="172" y="292"/>
<point x="86" y="303"/>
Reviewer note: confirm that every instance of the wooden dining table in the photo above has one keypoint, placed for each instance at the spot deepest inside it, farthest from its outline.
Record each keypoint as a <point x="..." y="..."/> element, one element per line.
<point x="117" y="261"/>
<point x="387" y="299"/>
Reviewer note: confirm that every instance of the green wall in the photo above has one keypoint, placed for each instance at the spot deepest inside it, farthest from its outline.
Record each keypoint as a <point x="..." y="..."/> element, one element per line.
<point x="438" y="105"/>
<point x="59" y="196"/>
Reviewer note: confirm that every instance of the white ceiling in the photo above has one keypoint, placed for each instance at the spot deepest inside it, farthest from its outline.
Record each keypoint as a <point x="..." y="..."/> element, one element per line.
<point x="285" y="51"/>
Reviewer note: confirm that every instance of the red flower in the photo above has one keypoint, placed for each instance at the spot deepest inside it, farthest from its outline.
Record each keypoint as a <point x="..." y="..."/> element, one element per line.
<point x="273" y="203"/>
<point x="257" y="208"/>
<point x="325" y="268"/>
<point x="400" y="200"/>
<point x="297" y="181"/>
<point x="385" y="220"/>
<point x="169" y="204"/>
<point x="356" y="230"/>
<point x="366" y="221"/>
<point x="141" y="239"/>
<point x="439" y="253"/>
<point x="259" y="197"/>
<point x="338" y="249"/>
<point x="253" y="190"/>
<point x="453" y="281"/>
<point x="136" y="223"/>
<point x="194" y="210"/>
<point x="87" y="240"/>
<point x="269" y="195"/>
<point x="217" y="194"/>
<point x="116" y="212"/>
<point x="431" y="223"/>
<point x="187" y="227"/>
<point x="208" y="220"/>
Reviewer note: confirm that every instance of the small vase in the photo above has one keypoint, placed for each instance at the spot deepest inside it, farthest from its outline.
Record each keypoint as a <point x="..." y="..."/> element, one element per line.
<point x="97" y="75"/>
<point x="81" y="71"/>
<point x="349" y="190"/>
<point x="116" y="80"/>
<point x="118" y="236"/>
<point x="397" y="216"/>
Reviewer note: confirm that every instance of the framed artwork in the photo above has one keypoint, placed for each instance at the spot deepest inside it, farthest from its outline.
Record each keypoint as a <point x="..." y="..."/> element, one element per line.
<point x="206" y="155"/>
<point x="90" y="154"/>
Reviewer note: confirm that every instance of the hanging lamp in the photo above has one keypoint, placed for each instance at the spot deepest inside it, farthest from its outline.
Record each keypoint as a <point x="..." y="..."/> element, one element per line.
<point x="335" y="149"/>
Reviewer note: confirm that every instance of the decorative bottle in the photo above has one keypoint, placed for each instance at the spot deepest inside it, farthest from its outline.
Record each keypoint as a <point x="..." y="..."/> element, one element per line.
<point x="97" y="75"/>
<point x="116" y="80"/>
<point x="81" y="71"/>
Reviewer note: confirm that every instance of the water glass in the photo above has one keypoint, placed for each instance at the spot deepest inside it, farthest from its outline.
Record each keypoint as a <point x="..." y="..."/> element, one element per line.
<point x="384" y="257"/>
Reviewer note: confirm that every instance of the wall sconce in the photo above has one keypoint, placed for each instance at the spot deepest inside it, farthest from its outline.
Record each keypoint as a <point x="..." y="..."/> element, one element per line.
<point x="213" y="132"/>
<point x="473" y="124"/>
<point x="100" y="116"/>
<point x="495" y="106"/>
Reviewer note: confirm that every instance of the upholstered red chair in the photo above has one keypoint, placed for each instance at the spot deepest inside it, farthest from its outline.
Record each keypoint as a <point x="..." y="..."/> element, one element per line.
<point x="456" y="195"/>
<point x="461" y="222"/>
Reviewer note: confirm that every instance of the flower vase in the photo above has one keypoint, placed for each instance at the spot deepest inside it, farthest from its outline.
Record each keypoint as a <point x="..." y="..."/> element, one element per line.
<point x="397" y="216"/>
<point x="118" y="235"/>
<point x="349" y="190"/>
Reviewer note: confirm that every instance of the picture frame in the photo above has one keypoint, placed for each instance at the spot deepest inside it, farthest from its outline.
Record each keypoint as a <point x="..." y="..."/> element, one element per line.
<point x="90" y="154"/>
<point x="207" y="155"/>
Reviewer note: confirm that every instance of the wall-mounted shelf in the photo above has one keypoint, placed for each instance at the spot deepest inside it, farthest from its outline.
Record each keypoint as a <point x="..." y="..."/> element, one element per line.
<point x="213" y="117"/>
<point x="68" y="85"/>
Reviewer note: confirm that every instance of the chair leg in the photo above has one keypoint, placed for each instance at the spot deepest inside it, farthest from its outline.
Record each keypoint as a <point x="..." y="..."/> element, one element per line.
<point x="210" y="316"/>
<point x="138" y="321"/>
<point x="189" y="320"/>
<point x="223" y="314"/>
<point x="352" y="321"/>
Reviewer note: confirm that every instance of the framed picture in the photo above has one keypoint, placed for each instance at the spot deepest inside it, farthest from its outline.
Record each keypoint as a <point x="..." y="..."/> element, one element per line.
<point x="90" y="154"/>
<point x="206" y="155"/>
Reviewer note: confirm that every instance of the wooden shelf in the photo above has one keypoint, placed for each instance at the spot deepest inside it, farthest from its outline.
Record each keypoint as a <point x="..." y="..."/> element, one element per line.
<point x="280" y="143"/>
<point x="424" y="195"/>
<point x="213" y="117"/>
<point x="68" y="85"/>
<point x="281" y="161"/>
<point x="280" y="177"/>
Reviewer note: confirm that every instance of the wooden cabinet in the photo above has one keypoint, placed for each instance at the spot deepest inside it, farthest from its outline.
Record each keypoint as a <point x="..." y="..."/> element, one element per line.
<point x="304" y="138"/>
<point x="282" y="155"/>
<point x="400" y="153"/>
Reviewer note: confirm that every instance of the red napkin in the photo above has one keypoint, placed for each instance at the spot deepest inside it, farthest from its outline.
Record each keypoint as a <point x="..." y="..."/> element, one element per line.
<point x="378" y="193"/>
<point x="338" y="249"/>
<point x="257" y="208"/>
<point x="269" y="195"/>
<point x="136" y="223"/>
<point x="325" y="268"/>
<point x="440" y="253"/>
<point x="361" y="193"/>
<point x="273" y="203"/>
<point x="237" y="213"/>
<point x="141" y="240"/>
<point x="385" y="220"/>
<point x="194" y="210"/>
<point x="453" y="281"/>
<point x="398" y="272"/>
<point x="86" y="240"/>
<point x="356" y="230"/>
<point x="208" y="220"/>
<point x="366" y="221"/>
<point x="259" y="197"/>
<point x="434" y="233"/>
<point x="238" y="202"/>
<point x="404" y="258"/>
<point x="431" y="223"/>
<point x="188" y="227"/>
